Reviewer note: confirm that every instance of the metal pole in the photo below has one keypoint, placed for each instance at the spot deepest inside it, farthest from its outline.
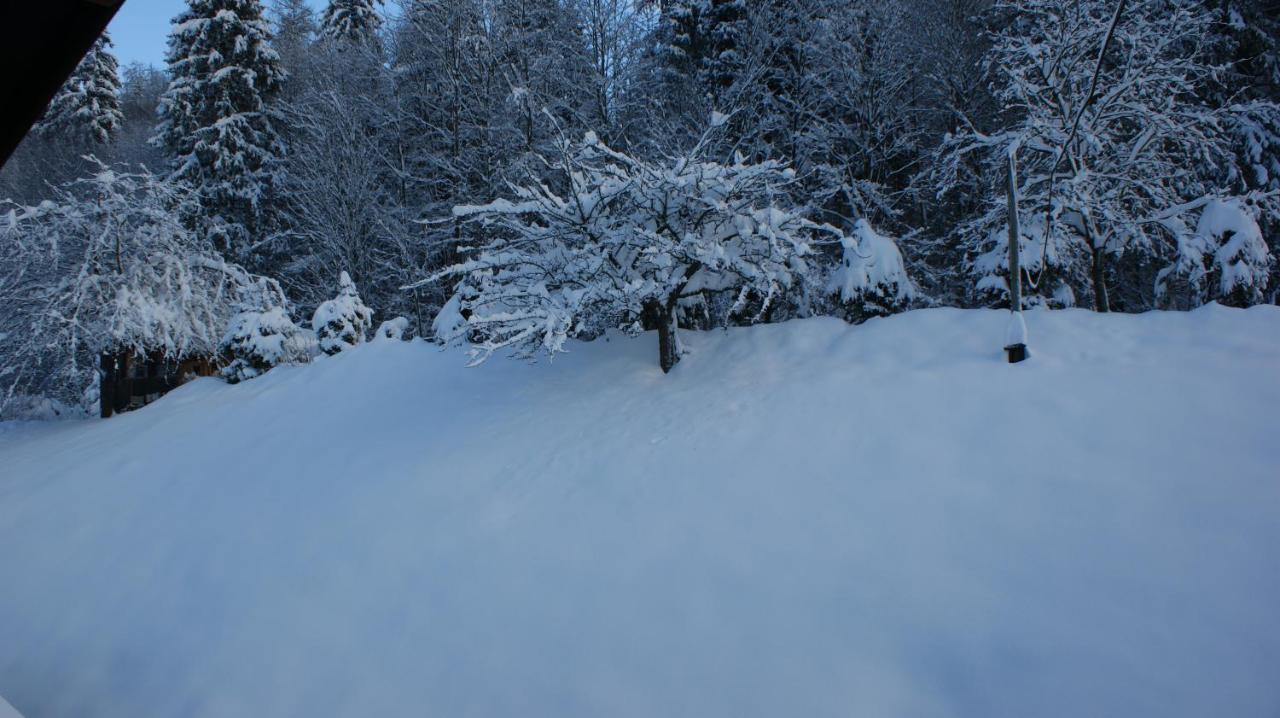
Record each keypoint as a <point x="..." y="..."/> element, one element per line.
<point x="1016" y="336"/>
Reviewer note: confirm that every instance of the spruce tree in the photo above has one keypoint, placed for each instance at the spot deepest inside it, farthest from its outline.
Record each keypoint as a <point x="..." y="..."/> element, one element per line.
<point x="259" y="339"/>
<point x="344" y="321"/>
<point x="354" y="21"/>
<point x="215" y="122"/>
<point x="702" y="40"/>
<point x="86" y="111"/>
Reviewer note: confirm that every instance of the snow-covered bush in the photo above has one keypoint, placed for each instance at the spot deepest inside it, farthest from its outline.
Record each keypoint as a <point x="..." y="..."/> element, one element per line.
<point x="393" y="330"/>
<point x="259" y="339"/>
<point x="106" y="268"/>
<point x="870" y="280"/>
<point x="1225" y="259"/>
<point x="620" y="246"/>
<point x="344" y="321"/>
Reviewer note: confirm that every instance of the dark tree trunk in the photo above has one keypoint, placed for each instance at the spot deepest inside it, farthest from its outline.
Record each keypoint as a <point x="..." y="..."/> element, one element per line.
<point x="662" y="317"/>
<point x="1100" y="301"/>
<point x="668" y="345"/>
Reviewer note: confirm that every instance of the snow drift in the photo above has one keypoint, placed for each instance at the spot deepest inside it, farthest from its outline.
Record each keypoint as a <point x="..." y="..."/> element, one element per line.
<point x="804" y="519"/>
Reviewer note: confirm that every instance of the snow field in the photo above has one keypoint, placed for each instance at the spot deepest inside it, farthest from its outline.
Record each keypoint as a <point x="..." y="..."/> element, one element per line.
<point x="801" y="519"/>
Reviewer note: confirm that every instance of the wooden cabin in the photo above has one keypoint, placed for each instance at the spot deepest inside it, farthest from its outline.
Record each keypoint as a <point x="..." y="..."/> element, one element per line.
<point x="129" y="380"/>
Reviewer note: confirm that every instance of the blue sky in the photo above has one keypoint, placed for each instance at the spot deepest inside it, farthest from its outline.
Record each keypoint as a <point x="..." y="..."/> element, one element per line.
<point x="141" y="28"/>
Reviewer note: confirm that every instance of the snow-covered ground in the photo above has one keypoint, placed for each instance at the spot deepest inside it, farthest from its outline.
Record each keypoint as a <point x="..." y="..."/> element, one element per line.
<point x="807" y="519"/>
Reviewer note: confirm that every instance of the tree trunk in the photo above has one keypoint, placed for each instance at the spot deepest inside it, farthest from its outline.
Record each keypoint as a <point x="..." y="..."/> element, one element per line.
<point x="662" y="316"/>
<point x="668" y="344"/>
<point x="1100" y="301"/>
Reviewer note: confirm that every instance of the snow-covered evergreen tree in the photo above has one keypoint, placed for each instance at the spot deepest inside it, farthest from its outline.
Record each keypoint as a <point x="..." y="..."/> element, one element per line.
<point x="215" y="122"/>
<point x="1225" y="259"/>
<point x="871" y="280"/>
<point x="261" y="335"/>
<point x="344" y="321"/>
<point x="703" y="39"/>
<point x="86" y="111"/>
<point x="352" y="21"/>
<point x="621" y="246"/>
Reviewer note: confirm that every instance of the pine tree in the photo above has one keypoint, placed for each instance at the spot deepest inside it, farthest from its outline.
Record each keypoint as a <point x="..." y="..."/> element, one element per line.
<point x="870" y="280"/>
<point x="344" y="321"/>
<point x="215" y="123"/>
<point x="699" y="43"/>
<point x="86" y="111"/>
<point x="261" y="338"/>
<point x="354" y="21"/>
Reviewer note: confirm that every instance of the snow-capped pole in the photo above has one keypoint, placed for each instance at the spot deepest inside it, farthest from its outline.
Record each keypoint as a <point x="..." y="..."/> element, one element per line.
<point x="1015" y="341"/>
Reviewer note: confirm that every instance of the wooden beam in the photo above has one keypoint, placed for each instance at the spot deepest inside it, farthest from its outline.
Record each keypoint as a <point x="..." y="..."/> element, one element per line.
<point x="41" y="42"/>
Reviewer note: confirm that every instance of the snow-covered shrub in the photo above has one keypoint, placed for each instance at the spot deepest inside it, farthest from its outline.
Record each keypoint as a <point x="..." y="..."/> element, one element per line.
<point x="620" y="246"/>
<point x="392" y="330"/>
<point x="344" y="321"/>
<point x="871" y="280"/>
<point x="39" y="408"/>
<point x="1225" y="259"/>
<point x="449" y="325"/>
<point x="259" y="339"/>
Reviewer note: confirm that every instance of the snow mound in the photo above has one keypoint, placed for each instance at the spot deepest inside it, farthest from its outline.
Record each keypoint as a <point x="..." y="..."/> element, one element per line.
<point x="804" y="519"/>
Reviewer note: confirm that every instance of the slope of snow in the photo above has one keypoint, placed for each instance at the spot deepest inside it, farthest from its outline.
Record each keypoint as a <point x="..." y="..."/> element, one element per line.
<point x="807" y="519"/>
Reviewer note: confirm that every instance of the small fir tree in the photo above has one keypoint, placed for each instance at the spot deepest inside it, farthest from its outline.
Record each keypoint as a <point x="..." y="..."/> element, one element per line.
<point x="259" y="339"/>
<point x="344" y="321"/>
<point x="871" y="280"/>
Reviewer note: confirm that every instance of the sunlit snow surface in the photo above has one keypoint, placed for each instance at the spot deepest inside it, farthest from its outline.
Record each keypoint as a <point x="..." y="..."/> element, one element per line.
<point x="807" y="519"/>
